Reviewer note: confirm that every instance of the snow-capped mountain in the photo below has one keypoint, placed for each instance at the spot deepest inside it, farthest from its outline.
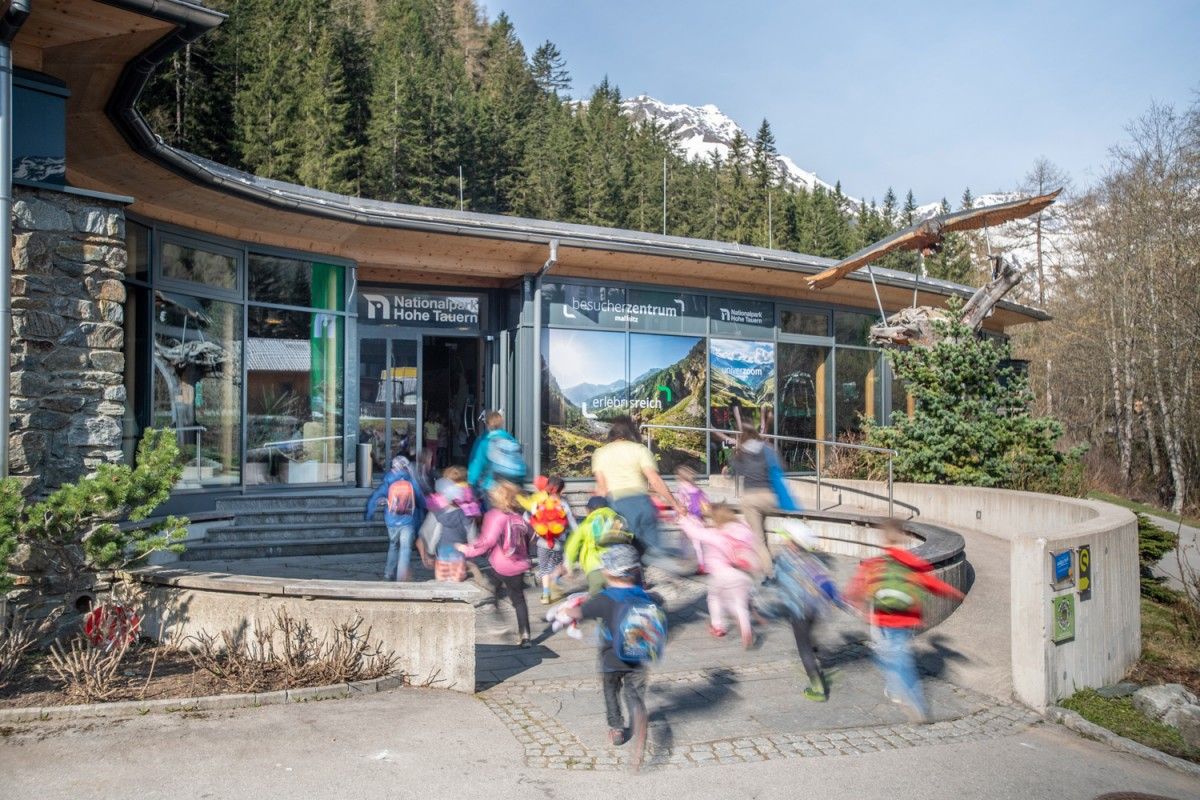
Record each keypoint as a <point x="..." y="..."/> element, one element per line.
<point x="703" y="130"/>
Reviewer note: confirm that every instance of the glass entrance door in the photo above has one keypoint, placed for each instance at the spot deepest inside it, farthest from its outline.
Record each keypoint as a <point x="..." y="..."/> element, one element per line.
<point x="805" y="394"/>
<point x="389" y="372"/>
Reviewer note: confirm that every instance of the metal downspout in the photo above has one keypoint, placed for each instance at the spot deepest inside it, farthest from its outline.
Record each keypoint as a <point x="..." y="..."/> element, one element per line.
<point x="537" y="356"/>
<point x="17" y="13"/>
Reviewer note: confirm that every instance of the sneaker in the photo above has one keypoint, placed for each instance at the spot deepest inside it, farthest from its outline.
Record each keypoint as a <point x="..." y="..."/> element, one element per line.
<point x="815" y="694"/>
<point x="545" y="598"/>
<point x="525" y="643"/>
<point x="616" y="736"/>
<point x="716" y="632"/>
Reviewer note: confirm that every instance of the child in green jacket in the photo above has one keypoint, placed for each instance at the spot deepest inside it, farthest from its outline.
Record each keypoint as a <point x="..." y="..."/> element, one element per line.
<point x="600" y="529"/>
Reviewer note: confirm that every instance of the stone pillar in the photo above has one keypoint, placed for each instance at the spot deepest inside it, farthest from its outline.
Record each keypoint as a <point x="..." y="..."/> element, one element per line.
<point x="68" y="389"/>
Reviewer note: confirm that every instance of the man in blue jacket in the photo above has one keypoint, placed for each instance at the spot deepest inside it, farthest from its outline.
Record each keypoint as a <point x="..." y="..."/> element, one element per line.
<point x="402" y="523"/>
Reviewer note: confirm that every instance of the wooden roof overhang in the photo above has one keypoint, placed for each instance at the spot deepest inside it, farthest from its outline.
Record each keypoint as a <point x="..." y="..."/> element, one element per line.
<point x="105" y="51"/>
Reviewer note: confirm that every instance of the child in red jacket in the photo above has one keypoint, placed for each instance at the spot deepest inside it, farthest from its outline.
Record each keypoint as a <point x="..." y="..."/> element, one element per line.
<point x="888" y="590"/>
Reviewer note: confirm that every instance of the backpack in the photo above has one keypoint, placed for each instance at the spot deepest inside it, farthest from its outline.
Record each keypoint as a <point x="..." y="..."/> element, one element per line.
<point x="604" y="531"/>
<point x="892" y="590"/>
<point x="400" y="497"/>
<point x="505" y="458"/>
<point x="639" y="633"/>
<point x="742" y="556"/>
<point x="549" y="519"/>
<point x="806" y="587"/>
<point x="515" y="539"/>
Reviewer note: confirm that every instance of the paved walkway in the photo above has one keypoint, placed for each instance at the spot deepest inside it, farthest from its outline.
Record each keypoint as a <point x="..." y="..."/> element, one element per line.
<point x="1189" y="540"/>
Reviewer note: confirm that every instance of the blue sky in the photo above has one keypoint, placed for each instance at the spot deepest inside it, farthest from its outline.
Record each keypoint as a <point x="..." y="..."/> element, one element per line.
<point x="932" y="96"/>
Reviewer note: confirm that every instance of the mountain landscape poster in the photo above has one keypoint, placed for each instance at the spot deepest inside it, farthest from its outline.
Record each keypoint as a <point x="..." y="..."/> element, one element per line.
<point x="743" y="378"/>
<point x="668" y="388"/>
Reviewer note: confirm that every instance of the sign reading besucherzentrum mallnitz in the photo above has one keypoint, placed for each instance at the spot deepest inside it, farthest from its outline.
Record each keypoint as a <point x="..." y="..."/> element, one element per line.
<point x="418" y="309"/>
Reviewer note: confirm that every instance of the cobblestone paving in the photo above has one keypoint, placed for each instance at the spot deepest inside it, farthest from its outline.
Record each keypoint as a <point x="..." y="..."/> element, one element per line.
<point x="551" y="743"/>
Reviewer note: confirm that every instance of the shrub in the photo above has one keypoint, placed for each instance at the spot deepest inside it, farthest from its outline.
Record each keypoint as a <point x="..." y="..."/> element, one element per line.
<point x="1154" y="542"/>
<point x="75" y="529"/>
<point x="971" y="424"/>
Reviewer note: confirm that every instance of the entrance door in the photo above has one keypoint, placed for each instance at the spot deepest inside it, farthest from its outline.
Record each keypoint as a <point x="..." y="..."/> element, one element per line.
<point x="452" y="398"/>
<point x="805" y="394"/>
<point x="389" y="383"/>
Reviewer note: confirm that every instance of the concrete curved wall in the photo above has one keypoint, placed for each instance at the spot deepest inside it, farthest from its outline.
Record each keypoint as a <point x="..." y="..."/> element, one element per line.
<point x="1107" y="638"/>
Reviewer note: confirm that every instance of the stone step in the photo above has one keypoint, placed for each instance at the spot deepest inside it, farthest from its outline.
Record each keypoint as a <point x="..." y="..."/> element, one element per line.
<point x="343" y="498"/>
<point x="308" y="531"/>
<point x="256" y="518"/>
<point x="275" y="548"/>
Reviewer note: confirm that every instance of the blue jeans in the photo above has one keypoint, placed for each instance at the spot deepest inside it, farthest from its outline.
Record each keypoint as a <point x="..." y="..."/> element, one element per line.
<point x="400" y="541"/>
<point x="641" y="518"/>
<point x="894" y="655"/>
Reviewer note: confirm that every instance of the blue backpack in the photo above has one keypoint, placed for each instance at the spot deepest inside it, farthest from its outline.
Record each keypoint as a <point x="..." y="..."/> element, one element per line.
<point x="639" y="635"/>
<point x="505" y="458"/>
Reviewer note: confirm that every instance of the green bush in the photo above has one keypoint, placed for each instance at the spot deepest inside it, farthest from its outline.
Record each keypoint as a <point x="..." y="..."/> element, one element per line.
<point x="971" y="424"/>
<point x="1154" y="542"/>
<point x="76" y="531"/>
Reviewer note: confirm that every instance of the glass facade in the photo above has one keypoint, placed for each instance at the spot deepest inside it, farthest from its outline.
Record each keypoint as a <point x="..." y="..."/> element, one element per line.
<point x="242" y="353"/>
<point x="700" y="361"/>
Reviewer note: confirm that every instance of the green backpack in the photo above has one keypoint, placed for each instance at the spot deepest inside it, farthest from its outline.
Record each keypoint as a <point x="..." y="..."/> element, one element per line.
<point x="893" y="590"/>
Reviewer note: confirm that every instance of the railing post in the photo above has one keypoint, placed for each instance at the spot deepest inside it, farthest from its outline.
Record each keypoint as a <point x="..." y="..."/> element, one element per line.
<point x="820" y="449"/>
<point x="891" y="496"/>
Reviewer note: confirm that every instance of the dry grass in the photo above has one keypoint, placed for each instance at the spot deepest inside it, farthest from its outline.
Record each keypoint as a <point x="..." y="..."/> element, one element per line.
<point x="287" y="653"/>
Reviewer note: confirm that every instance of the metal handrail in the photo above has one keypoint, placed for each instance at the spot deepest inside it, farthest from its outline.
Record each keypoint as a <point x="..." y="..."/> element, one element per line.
<point x="891" y="454"/>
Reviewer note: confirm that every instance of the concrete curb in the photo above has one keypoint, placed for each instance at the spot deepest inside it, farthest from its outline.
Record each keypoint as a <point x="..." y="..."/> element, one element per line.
<point x="1091" y="730"/>
<point x="219" y="702"/>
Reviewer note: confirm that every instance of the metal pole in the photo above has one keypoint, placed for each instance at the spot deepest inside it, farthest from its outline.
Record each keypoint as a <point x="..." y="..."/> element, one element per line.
<point x="460" y="188"/>
<point x="537" y="356"/>
<point x="664" y="196"/>
<point x="891" y="501"/>
<point x="819" y="448"/>
<point x="770" y="225"/>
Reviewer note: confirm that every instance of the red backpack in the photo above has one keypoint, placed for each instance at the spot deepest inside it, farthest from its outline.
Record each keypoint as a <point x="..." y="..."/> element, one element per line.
<point x="400" y="497"/>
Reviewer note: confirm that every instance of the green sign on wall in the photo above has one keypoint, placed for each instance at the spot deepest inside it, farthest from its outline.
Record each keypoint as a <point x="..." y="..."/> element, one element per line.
<point x="1063" y="614"/>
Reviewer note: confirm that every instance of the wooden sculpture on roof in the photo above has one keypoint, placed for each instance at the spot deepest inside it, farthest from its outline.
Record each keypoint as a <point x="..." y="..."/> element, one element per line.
<point x="914" y="325"/>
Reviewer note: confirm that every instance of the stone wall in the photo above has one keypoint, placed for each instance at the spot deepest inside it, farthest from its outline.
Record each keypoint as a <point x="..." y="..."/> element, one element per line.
<point x="68" y="392"/>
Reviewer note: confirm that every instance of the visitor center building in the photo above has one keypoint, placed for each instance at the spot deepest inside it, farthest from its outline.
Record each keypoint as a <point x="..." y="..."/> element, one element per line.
<point x="276" y="328"/>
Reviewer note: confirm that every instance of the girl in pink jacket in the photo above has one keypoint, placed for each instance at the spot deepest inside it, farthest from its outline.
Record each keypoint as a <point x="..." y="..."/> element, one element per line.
<point x="731" y="557"/>
<point x="505" y="538"/>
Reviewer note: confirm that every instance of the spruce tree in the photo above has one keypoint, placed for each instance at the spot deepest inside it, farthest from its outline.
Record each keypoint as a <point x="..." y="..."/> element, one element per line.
<point x="549" y="70"/>
<point x="954" y="262"/>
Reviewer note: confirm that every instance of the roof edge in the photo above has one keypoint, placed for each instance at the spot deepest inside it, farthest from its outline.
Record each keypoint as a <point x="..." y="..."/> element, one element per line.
<point x="194" y="21"/>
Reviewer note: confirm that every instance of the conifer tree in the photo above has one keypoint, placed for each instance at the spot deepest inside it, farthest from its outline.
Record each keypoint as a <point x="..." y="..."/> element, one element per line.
<point x="549" y="70"/>
<point x="954" y="262"/>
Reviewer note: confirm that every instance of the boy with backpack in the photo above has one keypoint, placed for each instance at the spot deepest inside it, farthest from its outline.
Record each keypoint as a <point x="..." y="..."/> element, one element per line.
<point x="601" y="528"/>
<point x="633" y="634"/>
<point x="446" y="525"/>
<point x="403" y="503"/>
<point x="888" y="589"/>
<point x="552" y="521"/>
<point x="806" y="591"/>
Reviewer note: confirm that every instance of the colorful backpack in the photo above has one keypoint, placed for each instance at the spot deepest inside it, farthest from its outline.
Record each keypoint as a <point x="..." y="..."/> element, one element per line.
<point x="892" y="589"/>
<point x="639" y="635"/>
<point x="515" y="539"/>
<point x="549" y="519"/>
<point x="505" y="457"/>
<point x="400" y="497"/>
<point x="604" y="529"/>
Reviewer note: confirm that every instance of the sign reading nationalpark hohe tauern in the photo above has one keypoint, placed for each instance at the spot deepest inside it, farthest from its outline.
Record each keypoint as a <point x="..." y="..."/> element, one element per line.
<point x="418" y="309"/>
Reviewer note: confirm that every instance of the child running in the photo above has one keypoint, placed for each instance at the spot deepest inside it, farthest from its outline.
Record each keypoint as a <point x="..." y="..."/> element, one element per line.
<point x="731" y="555"/>
<point x="551" y="521"/>
<point x="888" y="590"/>
<point x="633" y="632"/>
<point x="695" y="503"/>
<point x="600" y="529"/>
<point x="445" y="528"/>
<point x="505" y="539"/>
<point x="807" y="592"/>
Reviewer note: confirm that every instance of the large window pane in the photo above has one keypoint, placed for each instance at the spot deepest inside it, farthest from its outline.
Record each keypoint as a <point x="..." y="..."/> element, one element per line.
<point x="296" y="282"/>
<point x="137" y="368"/>
<point x="186" y="263"/>
<point x="851" y="328"/>
<point x="583" y="385"/>
<point x="859" y="389"/>
<point x="293" y="397"/>
<point x="743" y="387"/>
<point x="667" y="387"/>
<point x="804" y="321"/>
<point x="198" y="384"/>
<point x="804" y="402"/>
<point x="137" y="248"/>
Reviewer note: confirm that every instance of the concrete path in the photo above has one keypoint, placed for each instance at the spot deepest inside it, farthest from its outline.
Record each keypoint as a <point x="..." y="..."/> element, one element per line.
<point x="424" y="744"/>
<point x="1189" y="542"/>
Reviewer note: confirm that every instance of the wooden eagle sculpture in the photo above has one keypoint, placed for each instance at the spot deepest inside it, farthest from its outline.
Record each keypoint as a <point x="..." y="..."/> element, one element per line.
<point x="915" y="325"/>
<point x="927" y="236"/>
